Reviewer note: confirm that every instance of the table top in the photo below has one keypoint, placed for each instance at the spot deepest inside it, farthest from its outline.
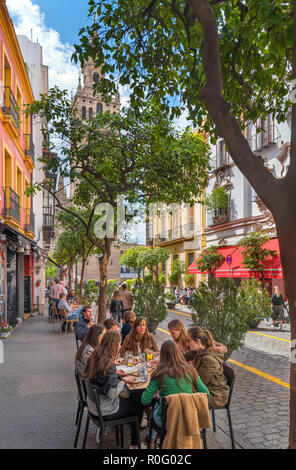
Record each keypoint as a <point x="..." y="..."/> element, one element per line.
<point x="130" y="370"/>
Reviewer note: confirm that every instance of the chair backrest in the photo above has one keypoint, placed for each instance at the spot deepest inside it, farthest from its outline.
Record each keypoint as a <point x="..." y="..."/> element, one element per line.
<point x="93" y="395"/>
<point x="63" y="313"/>
<point x="54" y="309"/>
<point x="230" y="376"/>
<point x="81" y="391"/>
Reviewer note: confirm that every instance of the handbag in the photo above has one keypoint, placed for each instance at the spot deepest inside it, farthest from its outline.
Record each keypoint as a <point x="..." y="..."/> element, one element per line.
<point x="125" y="393"/>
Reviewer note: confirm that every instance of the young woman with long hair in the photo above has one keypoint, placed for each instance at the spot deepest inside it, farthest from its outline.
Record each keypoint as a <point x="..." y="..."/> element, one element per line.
<point x="116" y="306"/>
<point x="172" y="375"/>
<point x="100" y="370"/>
<point x="278" y="305"/>
<point x="139" y="340"/>
<point x="208" y="363"/>
<point x="178" y="333"/>
<point x="89" y="343"/>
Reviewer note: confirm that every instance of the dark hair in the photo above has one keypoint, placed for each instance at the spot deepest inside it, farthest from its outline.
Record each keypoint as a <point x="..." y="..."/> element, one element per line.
<point x="124" y="285"/>
<point x="173" y="364"/>
<point x="91" y="338"/>
<point x="85" y="308"/>
<point x="205" y="337"/>
<point x="109" y="323"/>
<point x="178" y="325"/>
<point x="102" y="358"/>
<point x="62" y="295"/>
<point x="133" y="334"/>
<point x="129" y="315"/>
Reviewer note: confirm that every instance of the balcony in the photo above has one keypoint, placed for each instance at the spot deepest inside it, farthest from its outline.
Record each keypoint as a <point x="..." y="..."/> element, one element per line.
<point x="29" y="220"/>
<point x="182" y="231"/>
<point x="9" y="105"/>
<point x="48" y="223"/>
<point x="29" y="146"/>
<point x="221" y="216"/>
<point x="11" y="206"/>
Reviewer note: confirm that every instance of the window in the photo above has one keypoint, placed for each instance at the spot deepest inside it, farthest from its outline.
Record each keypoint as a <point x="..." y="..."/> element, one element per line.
<point x="191" y="258"/>
<point x="222" y="154"/>
<point x="163" y="266"/>
<point x="99" y="108"/>
<point x="83" y="111"/>
<point x="90" y="112"/>
<point x="265" y="135"/>
<point x="96" y="77"/>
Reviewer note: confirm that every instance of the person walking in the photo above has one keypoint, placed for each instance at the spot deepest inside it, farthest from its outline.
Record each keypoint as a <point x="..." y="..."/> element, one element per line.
<point x="116" y="306"/>
<point x="127" y="299"/>
<point x="278" y="305"/>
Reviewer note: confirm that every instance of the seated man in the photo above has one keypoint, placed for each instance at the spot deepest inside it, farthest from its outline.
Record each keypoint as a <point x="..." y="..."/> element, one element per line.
<point x="71" y="314"/>
<point x="84" y="323"/>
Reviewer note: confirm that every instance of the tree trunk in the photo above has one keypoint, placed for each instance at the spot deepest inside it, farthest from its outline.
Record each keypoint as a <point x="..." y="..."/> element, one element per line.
<point x="102" y="300"/>
<point x="286" y="229"/>
<point x="70" y="277"/>
<point x="82" y="279"/>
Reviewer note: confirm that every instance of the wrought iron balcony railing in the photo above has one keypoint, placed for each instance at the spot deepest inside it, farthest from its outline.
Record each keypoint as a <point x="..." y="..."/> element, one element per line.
<point x="9" y="105"/>
<point x="181" y="231"/>
<point x="29" y="220"/>
<point x="29" y="146"/>
<point x="11" y="206"/>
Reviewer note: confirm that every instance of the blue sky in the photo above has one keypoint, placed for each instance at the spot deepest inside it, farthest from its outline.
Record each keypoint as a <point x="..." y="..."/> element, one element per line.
<point x="66" y="19"/>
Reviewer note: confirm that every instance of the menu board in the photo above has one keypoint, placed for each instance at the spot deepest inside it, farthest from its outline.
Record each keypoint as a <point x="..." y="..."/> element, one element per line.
<point x="27" y="294"/>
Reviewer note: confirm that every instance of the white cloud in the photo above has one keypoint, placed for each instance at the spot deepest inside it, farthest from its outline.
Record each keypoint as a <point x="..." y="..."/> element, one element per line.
<point x="28" y="17"/>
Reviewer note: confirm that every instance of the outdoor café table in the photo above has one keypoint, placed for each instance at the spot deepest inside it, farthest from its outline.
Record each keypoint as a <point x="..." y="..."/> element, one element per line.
<point x="141" y="385"/>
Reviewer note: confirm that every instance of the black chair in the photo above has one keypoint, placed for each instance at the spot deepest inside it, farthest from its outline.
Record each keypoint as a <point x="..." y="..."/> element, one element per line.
<point x="82" y="405"/>
<point x="162" y="431"/>
<point x="93" y="395"/>
<point x="78" y="341"/>
<point x="230" y="376"/>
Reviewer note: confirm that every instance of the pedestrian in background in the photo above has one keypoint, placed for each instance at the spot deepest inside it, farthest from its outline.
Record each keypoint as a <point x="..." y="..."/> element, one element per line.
<point x="116" y="306"/>
<point x="127" y="299"/>
<point x="278" y="305"/>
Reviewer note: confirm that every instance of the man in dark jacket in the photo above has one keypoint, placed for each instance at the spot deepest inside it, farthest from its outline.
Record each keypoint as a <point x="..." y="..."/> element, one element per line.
<point x="84" y="323"/>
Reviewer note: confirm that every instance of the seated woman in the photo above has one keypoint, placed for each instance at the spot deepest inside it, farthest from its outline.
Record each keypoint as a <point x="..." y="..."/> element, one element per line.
<point x="209" y="363"/>
<point x="100" y="370"/>
<point x="139" y="340"/>
<point x="89" y="343"/>
<point x="172" y="375"/>
<point x="127" y="320"/>
<point x="179" y="334"/>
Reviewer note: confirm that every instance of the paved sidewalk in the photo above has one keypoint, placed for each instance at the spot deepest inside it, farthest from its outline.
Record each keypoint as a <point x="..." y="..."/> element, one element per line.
<point x="38" y="398"/>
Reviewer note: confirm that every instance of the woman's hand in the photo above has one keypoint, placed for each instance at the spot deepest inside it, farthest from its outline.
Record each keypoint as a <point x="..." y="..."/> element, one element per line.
<point x="129" y="379"/>
<point x="120" y="372"/>
<point x="148" y="351"/>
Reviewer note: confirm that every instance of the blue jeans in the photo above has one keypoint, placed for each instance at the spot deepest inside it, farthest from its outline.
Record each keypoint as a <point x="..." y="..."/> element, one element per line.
<point x="156" y="419"/>
<point x="76" y="315"/>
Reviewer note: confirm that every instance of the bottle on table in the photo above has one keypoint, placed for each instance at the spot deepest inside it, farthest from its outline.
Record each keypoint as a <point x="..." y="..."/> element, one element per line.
<point x="144" y="372"/>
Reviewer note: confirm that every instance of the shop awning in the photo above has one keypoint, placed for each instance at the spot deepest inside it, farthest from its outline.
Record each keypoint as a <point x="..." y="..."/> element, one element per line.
<point x="272" y="267"/>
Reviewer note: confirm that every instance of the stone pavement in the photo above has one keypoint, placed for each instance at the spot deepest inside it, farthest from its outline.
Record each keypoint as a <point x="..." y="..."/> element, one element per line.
<point x="38" y="393"/>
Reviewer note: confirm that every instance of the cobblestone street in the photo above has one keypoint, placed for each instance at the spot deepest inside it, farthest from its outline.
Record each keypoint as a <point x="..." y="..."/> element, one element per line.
<point x="38" y="392"/>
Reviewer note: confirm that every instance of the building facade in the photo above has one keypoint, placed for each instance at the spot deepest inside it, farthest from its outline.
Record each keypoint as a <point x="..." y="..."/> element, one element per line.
<point x="17" y="229"/>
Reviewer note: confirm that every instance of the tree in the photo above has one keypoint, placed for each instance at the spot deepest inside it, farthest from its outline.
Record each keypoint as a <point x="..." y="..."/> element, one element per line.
<point x="254" y="255"/>
<point x="138" y="154"/>
<point x="231" y="60"/>
<point x="66" y="252"/>
<point x="210" y="260"/>
<point x="257" y="301"/>
<point x="141" y="257"/>
<point x="85" y="248"/>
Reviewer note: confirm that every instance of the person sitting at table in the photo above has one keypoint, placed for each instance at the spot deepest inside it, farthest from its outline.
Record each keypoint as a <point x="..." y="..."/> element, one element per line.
<point x="100" y="370"/>
<point x="127" y="320"/>
<point x="111" y="324"/>
<point x="172" y="375"/>
<point x="208" y="363"/>
<point x="91" y="340"/>
<point x="71" y="314"/>
<point x="139" y="340"/>
<point x="178" y="334"/>
<point x="84" y="323"/>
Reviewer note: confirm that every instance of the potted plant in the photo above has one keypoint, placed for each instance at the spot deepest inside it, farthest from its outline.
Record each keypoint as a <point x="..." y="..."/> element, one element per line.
<point x="257" y="302"/>
<point x="171" y="300"/>
<point x="150" y="303"/>
<point x="218" y="203"/>
<point x="220" y="308"/>
<point x="5" y="330"/>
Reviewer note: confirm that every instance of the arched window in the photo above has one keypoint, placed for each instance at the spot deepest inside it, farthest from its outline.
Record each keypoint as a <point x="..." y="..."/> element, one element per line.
<point x="99" y="108"/>
<point x="96" y="77"/>
<point x="83" y="111"/>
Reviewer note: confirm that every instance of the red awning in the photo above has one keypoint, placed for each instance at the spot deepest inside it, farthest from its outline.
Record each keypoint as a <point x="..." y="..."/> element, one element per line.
<point x="272" y="268"/>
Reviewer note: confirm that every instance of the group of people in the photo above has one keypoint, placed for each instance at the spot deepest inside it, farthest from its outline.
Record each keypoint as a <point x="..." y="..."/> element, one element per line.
<point x="184" y="297"/>
<point x="191" y="362"/>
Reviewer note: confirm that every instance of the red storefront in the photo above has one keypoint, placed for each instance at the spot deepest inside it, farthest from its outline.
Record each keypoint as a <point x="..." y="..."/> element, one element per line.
<point x="272" y="268"/>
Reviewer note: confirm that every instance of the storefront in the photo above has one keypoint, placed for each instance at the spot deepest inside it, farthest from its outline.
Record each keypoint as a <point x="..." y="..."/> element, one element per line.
<point x="233" y="266"/>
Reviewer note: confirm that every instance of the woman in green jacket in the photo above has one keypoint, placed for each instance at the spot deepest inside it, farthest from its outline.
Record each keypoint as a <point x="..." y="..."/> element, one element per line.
<point x="173" y="375"/>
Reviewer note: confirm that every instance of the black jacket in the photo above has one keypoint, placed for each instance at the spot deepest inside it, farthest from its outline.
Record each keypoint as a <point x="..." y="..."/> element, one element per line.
<point x="105" y="382"/>
<point x="116" y="306"/>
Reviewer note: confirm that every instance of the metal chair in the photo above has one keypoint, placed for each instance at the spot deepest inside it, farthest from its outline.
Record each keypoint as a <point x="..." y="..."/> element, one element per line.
<point x="93" y="395"/>
<point x="161" y="431"/>
<point x="230" y="376"/>
<point x="82" y="405"/>
<point x="78" y="341"/>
